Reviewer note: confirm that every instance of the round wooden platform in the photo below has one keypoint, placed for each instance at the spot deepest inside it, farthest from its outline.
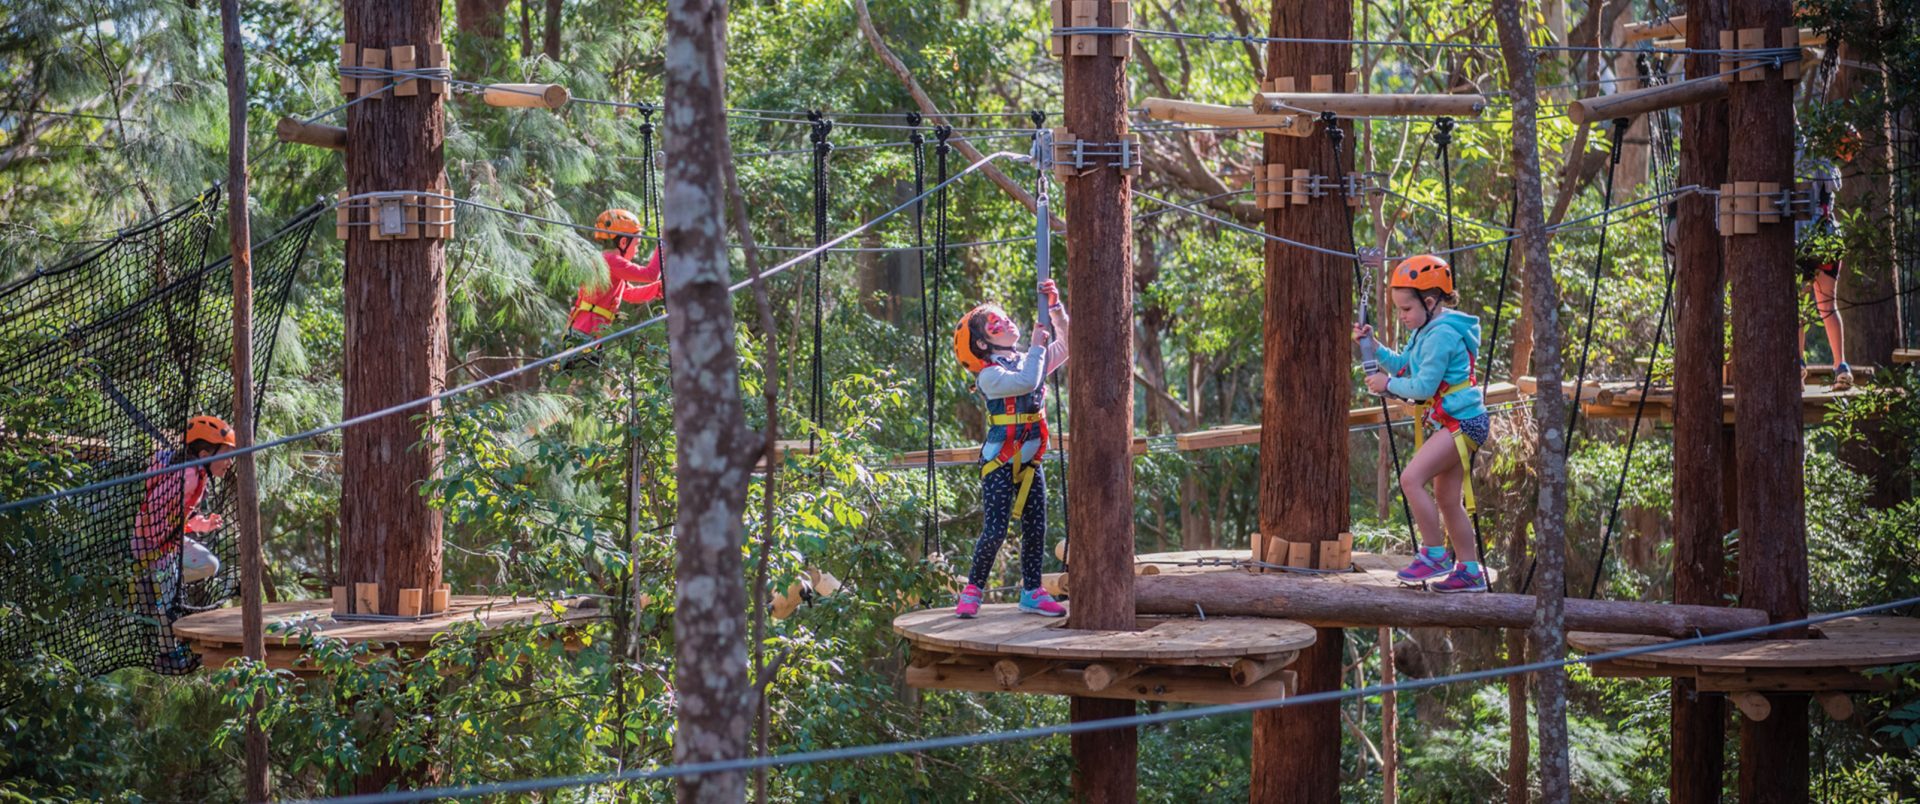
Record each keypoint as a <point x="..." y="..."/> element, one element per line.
<point x="1371" y="569"/>
<point x="216" y="635"/>
<point x="1002" y="630"/>
<point x="1852" y="642"/>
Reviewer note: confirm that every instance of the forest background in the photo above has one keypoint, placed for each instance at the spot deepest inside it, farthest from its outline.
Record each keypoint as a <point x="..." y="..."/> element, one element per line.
<point x="111" y="111"/>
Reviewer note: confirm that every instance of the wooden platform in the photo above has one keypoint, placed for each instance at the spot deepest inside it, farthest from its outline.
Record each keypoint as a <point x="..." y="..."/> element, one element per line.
<point x="1906" y="356"/>
<point x="1829" y="664"/>
<point x="216" y="635"/>
<point x="1183" y="659"/>
<point x="1620" y="400"/>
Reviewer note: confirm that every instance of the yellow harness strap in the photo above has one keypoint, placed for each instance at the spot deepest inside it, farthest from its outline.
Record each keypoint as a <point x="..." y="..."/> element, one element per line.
<point x="587" y="307"/>
<point x="1024" y="475"/>
<point x="1005" y="419"/>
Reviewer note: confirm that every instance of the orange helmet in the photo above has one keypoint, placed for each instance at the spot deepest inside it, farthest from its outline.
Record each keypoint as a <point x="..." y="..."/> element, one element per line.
<point x="211" y="429"/>
<point x="616" y="223"/>
<point x="1421" y="273"/>
<point x="963" y="337"/>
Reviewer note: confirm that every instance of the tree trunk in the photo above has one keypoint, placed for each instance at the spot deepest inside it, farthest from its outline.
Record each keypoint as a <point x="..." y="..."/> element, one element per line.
<point x="1519" y="747"/>
<point x="1699" y="720"/>
<point x="1872" y="328"/>
<point x="396" y="321"/>
<point x="1303" y="442"/>
<point x="1100" y="276"/>
<point x="483" y="24"/>
<point x="715" y="450"/>
<point x="1550" y="408"/>
<point x="1767" y="444"/>
<point x="552" y="40"/>
<point x="246" y="488"/>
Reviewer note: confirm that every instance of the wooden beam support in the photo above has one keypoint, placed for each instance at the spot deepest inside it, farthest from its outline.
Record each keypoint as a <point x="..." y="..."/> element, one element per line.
<point x="1207" y="114"/>
<point x="1752" y="704"/>
<point x="1249" y="671"/>
<point x="1635" y="102"/>
<point x="1013" y="671"/>
<point x="1328" y="604"/>
<point x="315" y="134"/>
<point x="1201" y="685"/>
<point x="527" y="96"/>
<point x="1101" y="675"/>
<point x="1383" y="105"/>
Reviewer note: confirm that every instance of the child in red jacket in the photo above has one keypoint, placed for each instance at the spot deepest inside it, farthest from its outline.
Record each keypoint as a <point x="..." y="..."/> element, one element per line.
<point x="165" y="554"/>
<point x="627" y="281"/>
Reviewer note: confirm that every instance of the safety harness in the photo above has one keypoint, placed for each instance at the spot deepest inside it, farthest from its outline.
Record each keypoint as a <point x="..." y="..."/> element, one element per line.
<point x="1430" y="410"/>
<point x="1025" y="419"/>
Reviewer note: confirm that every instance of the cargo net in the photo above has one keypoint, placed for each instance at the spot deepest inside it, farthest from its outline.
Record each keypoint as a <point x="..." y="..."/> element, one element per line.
<point x="103" y="359"/>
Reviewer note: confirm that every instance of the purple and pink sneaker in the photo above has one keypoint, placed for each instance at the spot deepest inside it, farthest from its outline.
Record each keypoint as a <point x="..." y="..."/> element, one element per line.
<point x="1037" y="601"/>
<point x="969" y="606"/>
<point x="1426" y="566"/>
<point x="1463" y="579"/>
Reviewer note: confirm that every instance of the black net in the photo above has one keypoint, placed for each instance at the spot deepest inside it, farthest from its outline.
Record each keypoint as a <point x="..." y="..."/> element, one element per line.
<point x="102" y="361"/>
<point x="1906" y="223"/>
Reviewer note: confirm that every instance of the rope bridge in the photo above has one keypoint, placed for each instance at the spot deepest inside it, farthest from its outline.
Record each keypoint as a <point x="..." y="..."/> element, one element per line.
<point x="103" y="358"/>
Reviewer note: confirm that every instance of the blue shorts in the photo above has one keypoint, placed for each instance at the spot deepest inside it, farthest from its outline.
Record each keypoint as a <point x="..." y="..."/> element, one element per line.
<point x="1477" y="429"/>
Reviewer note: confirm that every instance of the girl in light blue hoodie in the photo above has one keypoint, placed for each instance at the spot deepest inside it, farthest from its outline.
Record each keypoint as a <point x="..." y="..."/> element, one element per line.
<point x="1436" y="370"/>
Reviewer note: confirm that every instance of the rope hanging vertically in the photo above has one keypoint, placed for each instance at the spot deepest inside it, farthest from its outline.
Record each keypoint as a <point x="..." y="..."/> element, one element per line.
<point x="940" y="151"/>
<point x="822" y="147"/>
<point x="1043" y="251"/>
<point x="919" y="142"/>
<point x="1335" y="136"/>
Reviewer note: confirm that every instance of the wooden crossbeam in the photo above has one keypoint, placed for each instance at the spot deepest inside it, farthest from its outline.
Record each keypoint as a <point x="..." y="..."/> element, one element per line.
<point x="1207" y="114"/>
<point x="1636" y="102"/>
<point x="1381" y="105"/>
<point x="527" y="96"/>
<point x="1654" y="29"/>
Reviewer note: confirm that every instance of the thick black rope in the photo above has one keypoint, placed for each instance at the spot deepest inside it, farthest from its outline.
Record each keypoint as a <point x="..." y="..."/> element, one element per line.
<point x="1593" y="298"/>
<point x="1336" y="135"/>
<point x="1646" y="380"/>
<point x="822" y="129"/>
<point x="1493" y="337"/>
<point x="649" y="197"/>
<point x="940" y="151"/>
<point x="1442" y="139"/>
<point x="919" y="142"/>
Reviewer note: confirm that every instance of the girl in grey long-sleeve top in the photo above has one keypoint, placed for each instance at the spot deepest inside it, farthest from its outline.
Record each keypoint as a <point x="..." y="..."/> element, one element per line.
<point x="1013" y="383"/>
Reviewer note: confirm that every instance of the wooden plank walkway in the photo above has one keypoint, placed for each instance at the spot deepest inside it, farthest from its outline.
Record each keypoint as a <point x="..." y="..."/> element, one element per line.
<point x="216" y="635"/>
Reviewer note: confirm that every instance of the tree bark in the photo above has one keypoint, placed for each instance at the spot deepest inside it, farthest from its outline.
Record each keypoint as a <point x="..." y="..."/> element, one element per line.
<point x="551" y="42"/>
<point x="1549" y="635"/>
<point x="1303" y="441"/>
<point x="484" y="24"/>
<point x="1767" y="445"/>
<point x="396" y="319"/>
<point x="1699" y="720"/>
<point x="1519" y="744"/>
<point x="246" y="490"/>
<point x="715" y="450"/>
<point x="1100" y="472"/>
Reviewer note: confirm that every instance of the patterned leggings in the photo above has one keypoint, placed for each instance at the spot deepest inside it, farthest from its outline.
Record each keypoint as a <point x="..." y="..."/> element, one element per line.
<point x="997" y="490"/>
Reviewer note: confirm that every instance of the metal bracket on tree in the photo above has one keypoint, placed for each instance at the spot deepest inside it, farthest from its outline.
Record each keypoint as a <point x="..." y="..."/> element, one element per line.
<point x="397" y="214"/>
<point x="1073" y="156"/>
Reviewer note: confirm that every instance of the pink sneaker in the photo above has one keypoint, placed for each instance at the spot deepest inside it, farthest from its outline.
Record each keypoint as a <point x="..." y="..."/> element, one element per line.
<point x="1462" y="580"/>
<point x="969" y="606"/>
<point x="1037" y="601"/>
<point x="1425" y="568"/>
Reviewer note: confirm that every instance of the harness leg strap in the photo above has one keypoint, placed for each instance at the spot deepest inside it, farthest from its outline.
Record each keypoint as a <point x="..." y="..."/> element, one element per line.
<point x="1023" y="474"/>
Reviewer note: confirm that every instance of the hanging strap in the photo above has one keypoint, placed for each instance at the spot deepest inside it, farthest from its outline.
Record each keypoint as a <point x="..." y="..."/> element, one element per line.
<point x="919" y="142"/>
<point x="822" y="147"/>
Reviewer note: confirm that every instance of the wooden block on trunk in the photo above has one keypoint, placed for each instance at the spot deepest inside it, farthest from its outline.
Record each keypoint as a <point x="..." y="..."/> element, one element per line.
<point x="1728" y="61"/>
<point x="1057" y="44"/>
<point x="404" y="59"/>
<point x="1320" y="84"/>
<point x="1277" y="551"/>
<point x="1300" y="554"/>
<point x="1122" y="46"/>
<point x="376" y="58"/>
<point x="1302" y="180"/>
<point x="1767" y="204"/>
<point x="1746" y="219"/>
<point x="1753" y="69"/>
<point x="1725" y="209"/>
<point x="441" y="597"/>
<point x="349" y="57"/>
<point x="1085" y="15"/>
<point x="410" y="600"/>
<point x="1790" y="37"/>
<point x="342" y="604"/>
<point x="1353" y="81"/>
<point x="437" y="57"/>
<point x="342" y="218"/>
<point x="366" y="598"/>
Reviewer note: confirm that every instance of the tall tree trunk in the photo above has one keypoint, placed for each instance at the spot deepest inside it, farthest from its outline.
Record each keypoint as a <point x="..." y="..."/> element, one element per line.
<point x="396" y="336"/>
<point x="715" y="450"/>
<point x="1699" y="720"/>
<point x="1100" y="276"/>
<point x="526" y="28"/>
<point x="246" y="488"/>
<point x="1303" y="442"/>
<point x="1872" y="327"/>
<point x="552" y="41"/>
<point x="483" y="24"/>
<point x="1767" y="444"/>
<point x="1549" y="635"/>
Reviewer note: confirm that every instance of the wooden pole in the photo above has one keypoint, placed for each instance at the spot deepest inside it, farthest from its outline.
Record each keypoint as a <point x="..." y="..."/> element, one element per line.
<point x="1381" y="105"/>
<point x="1699" y="564"/>
<point x="526" y="96"/>
<point x="1100" y="385"/>
<point x="396" y="320"/>
<point x="1303" y="440"/>
<point x="316" y="134"/>
<point x="1549" y="635"/>
<point x="715" y="451"/>
<point x="1207" y="114"/>
<point x="1767" y="445"/>
<point x="1636" y="102"/>
<point x="246" y="483"/>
